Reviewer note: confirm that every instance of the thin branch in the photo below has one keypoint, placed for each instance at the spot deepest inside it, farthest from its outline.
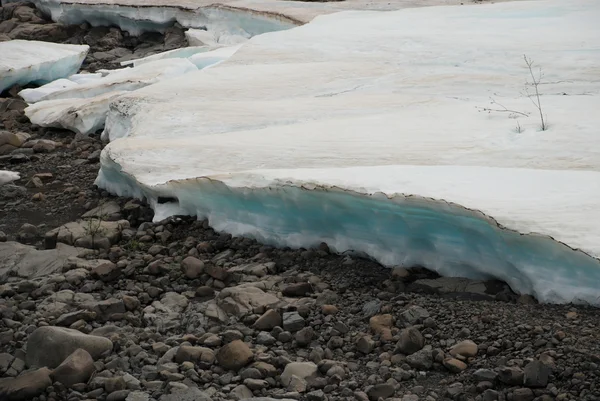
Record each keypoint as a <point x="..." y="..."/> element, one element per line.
<point x="503" y="110"/>
<point x="535" y="84"/>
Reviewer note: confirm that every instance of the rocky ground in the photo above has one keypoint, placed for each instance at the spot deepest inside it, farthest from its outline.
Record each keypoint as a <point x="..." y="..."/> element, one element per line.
<point x="99" y="303"/>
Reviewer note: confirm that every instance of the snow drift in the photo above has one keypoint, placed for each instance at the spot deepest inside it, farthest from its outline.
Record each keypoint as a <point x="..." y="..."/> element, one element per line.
<point x="80" y="103"/>
<point x="27" y="61"/>
<point x="377" y="139"/>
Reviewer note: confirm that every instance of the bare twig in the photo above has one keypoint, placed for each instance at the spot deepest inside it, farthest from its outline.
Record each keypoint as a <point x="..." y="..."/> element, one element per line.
<point x="535" y="99"/>
<point x="518" y="128"/>
<point x="502" y="110"/>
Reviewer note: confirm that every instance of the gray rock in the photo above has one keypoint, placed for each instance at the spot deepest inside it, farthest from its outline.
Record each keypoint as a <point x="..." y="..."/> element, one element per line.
<point x="26" y="386"/>
<point x="414" y="315"/>
<point x="243" y="299"/>
<point x="50" y="346"/>
<point x="26" y="261"/>
<point x="298" y="290"/>
<point x="305" y="336"/>
<point x="523" y="394"/>
<point x="137" y="396"/>
<point x="485" y="375"/>
<point x="384" y="390"/>
<point x="302" y="370"/>
<point x="265" y="338"/>
<point x="371" y="308"/>
<point x="189" y="394"/>
<point x="422" y="359"/>
<point x="536" y="374"/>
<point x="411" y="340"/>
<point x="77" y="368"/>
<point x="192" y="267"/>
<point x="235" y="355"/>
<point x="241" y="392"/>
<point x="292" y="321"/>
<point x="511" y="376"/>
<point x="455" y="389"/>
<point x="269" y="320"/>
<point x="365" y="344"/>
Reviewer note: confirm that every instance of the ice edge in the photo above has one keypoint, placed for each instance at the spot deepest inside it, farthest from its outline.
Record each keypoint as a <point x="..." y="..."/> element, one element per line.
<point x="580" y="269"/>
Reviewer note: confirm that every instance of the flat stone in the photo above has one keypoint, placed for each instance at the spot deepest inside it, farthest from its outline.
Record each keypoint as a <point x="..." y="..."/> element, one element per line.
<point x="303" y="370"/>
<point x="244" y="298"/>
<point x="454" y="365"/>
<point x="25" y="387"/>
<point x="269" y="320"/>
<point x="27" y="262"/>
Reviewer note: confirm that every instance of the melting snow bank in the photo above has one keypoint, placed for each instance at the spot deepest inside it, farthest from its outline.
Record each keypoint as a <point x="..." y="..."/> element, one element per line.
<point x="374" y="139"/>
<point x="398" y="229"/>
<point x="136" y="19"/>
<point x="59" y="104"/>
<point x="82" y="107"/>
<point x="23" y="62"/>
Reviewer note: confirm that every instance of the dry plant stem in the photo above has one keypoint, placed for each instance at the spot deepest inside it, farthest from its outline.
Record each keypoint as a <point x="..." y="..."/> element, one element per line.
<point x="536" y="83"/>
<point x="504" y="109"/>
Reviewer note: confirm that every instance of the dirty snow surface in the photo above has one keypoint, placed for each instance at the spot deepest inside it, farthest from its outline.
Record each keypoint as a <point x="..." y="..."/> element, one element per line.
<point x="369" y="131"/>
<point x="30" y="61"/>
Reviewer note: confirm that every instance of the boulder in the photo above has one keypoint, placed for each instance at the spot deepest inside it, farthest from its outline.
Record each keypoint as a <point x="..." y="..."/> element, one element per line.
<point x="186" y="353"/>
<point x="268" y="321"/>
<point x="411" y="340"/>
<point x="242" y="299"/>
<point x="27" y="262"/>
<point x="77" y="368"/>
<point x="192" y="267"/>
<point x="50" y="346"/>
<point x="234" y="356"/>
<point x="466" y="348"/>
<point x="71" y="232"/>
<point x="302" y="370"/>
<point x="25" y="387"/>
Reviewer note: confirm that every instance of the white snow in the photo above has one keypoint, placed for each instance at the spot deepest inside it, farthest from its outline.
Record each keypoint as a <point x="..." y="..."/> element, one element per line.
<point x="80" y="103"/>
<point x="203" y="60"/>
<point x="83" y="116"/>
<point x="127" y="79"/>
<point x="23" y="62"/>
<point x="36" y="94"/>
<point x="365" y="130"/>
<point x="184" y="52"/>
<point x="85" y="77"/>
<point x="200" y="37"/>
<point x="6" y="177"/>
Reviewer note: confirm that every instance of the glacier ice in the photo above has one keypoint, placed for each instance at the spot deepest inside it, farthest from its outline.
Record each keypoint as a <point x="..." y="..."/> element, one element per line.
<point x="27" y="61"/>
<point x="59" y="104"/>
<point x="33" y="95"/>
<point x="84" y="77"/>
<point x="83" y="116"/>
<point x="126" y="79"/>
<point x="372" y="139"/>
<point x="184" y="52"/>
<point x="203" y="60"/>
<point x="163" y="14"/>
<point x="201" y="37"/>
